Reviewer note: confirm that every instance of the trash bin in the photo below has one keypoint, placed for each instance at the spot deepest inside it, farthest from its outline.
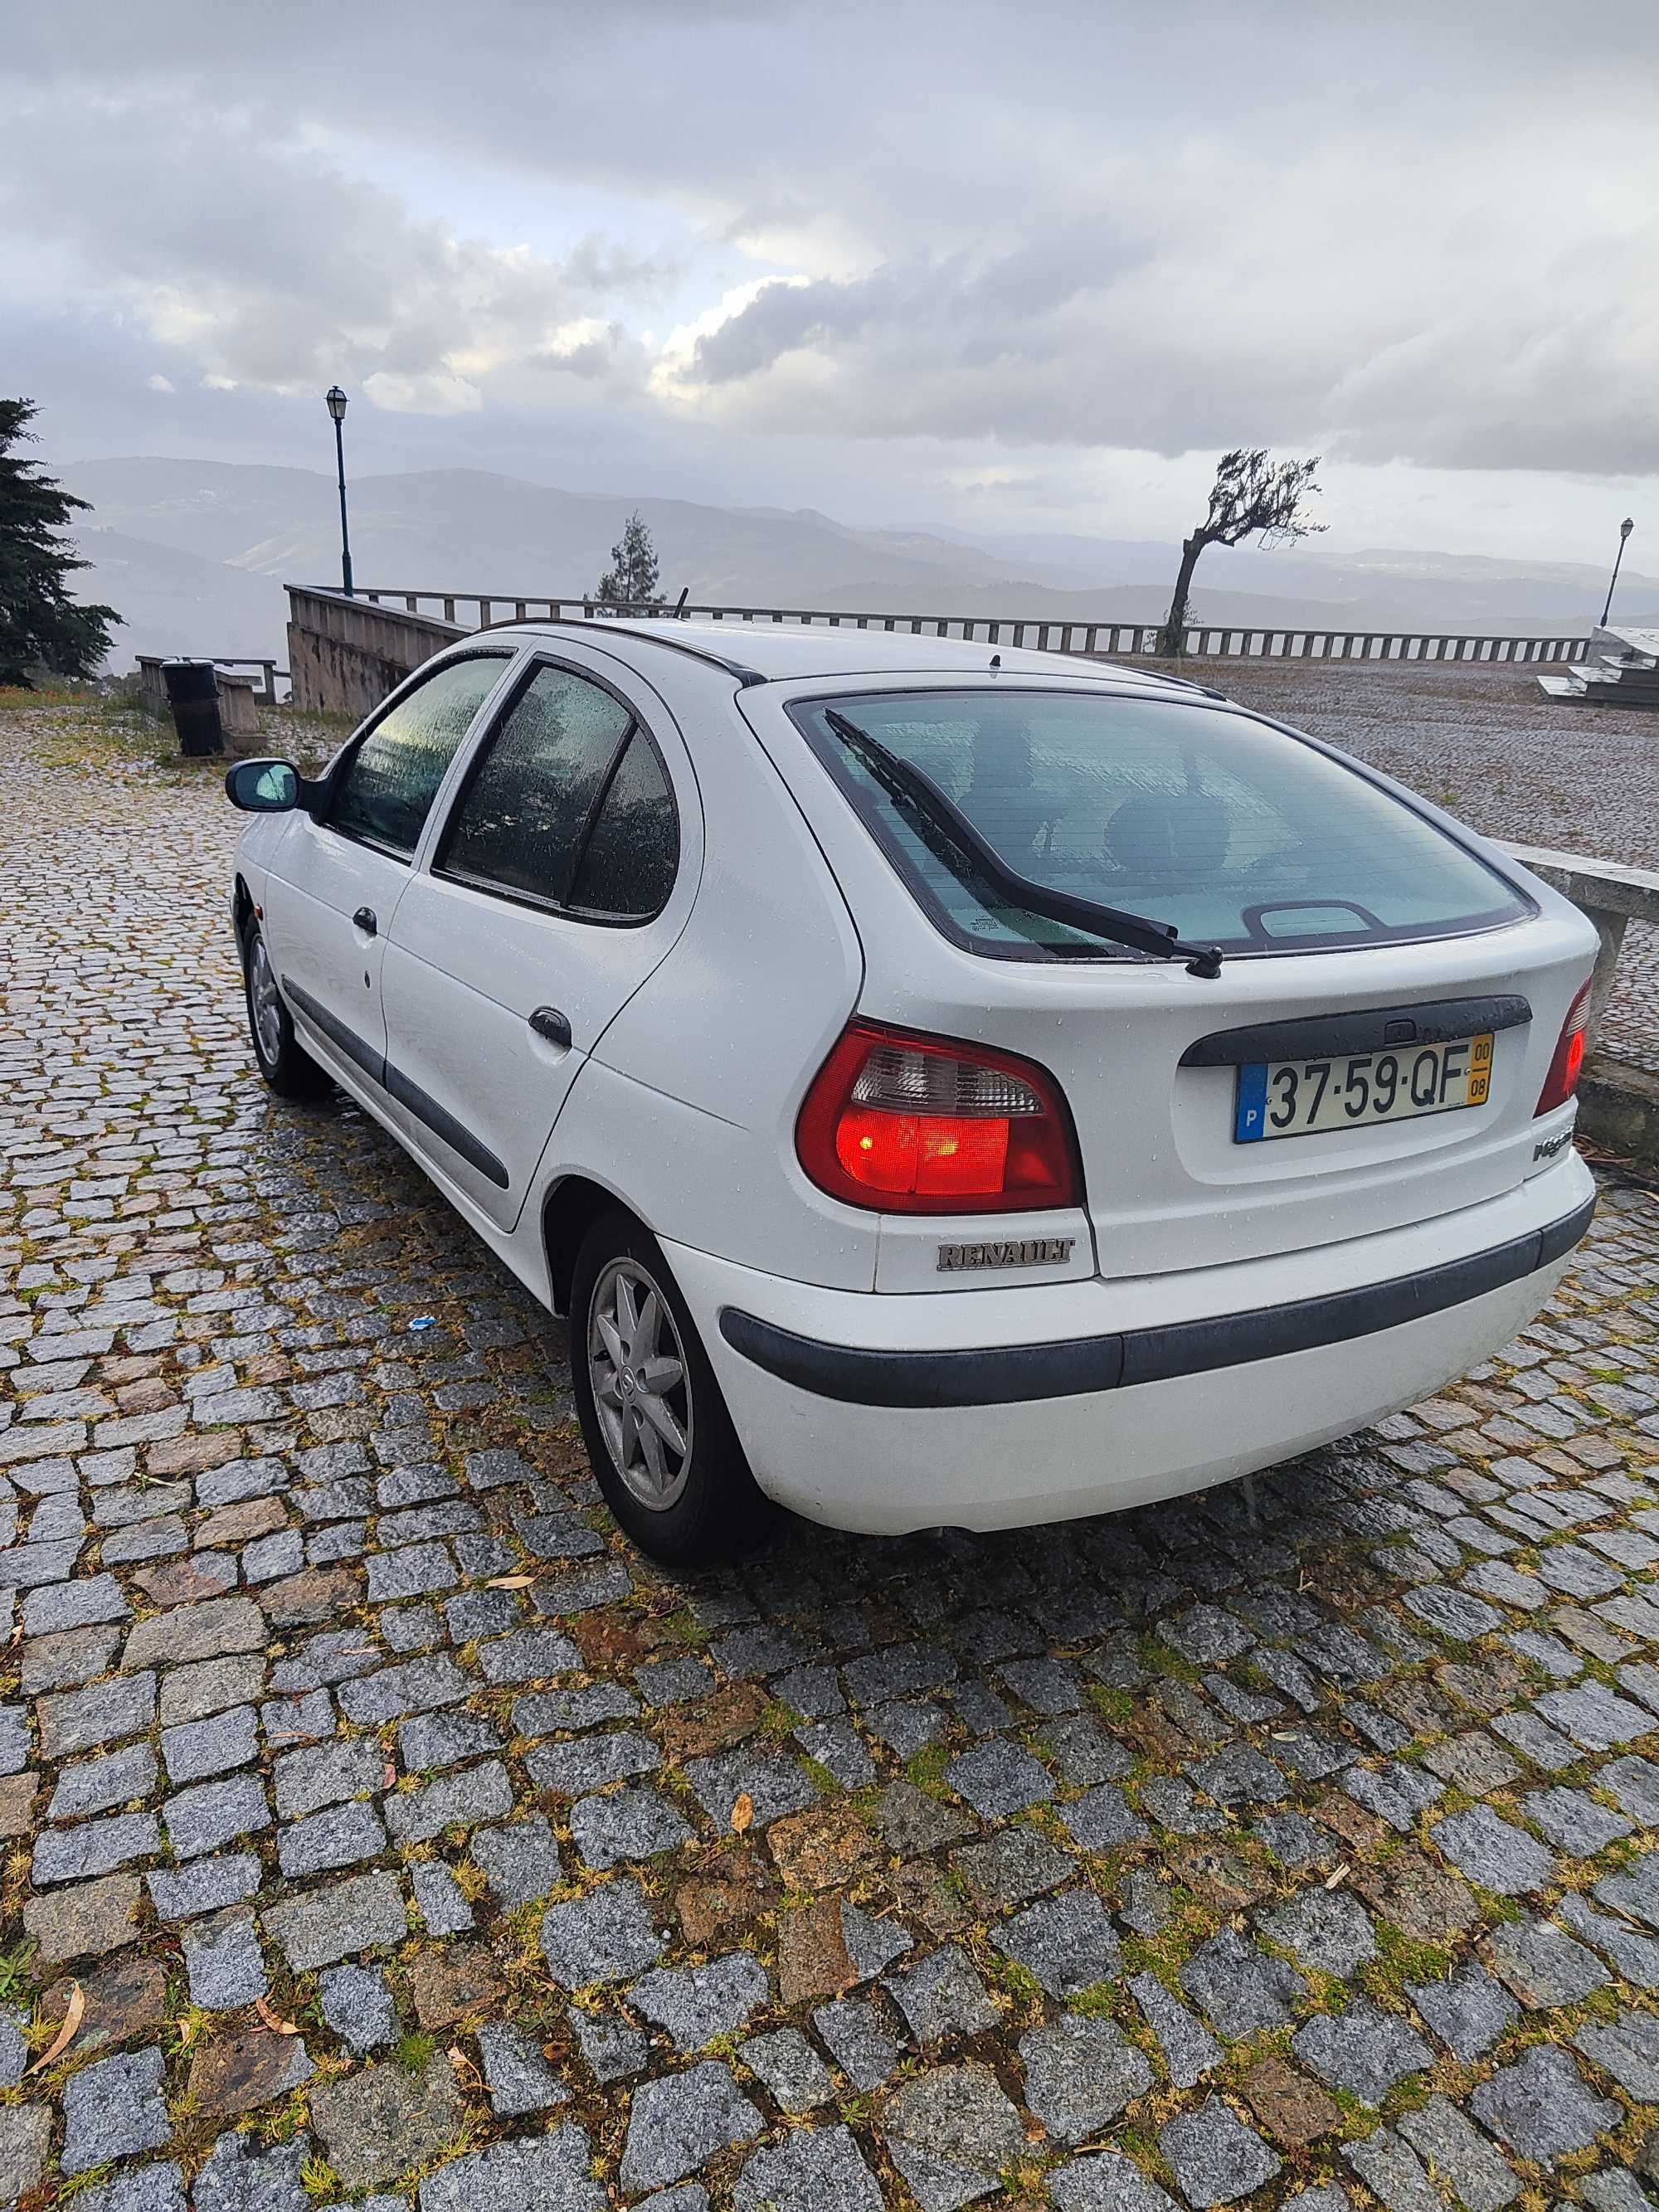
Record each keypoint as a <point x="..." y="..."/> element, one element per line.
<point x="192" y="688"/>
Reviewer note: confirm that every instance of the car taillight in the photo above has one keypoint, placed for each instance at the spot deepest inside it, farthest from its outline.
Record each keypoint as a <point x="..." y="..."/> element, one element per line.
<point x="906" y="1124"/>
<point x="1563" y="1078"/>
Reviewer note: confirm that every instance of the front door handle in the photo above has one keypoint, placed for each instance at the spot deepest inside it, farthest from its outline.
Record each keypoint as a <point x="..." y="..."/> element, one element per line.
<point x="364" y="920"/>
<point x="548" y="1022"/>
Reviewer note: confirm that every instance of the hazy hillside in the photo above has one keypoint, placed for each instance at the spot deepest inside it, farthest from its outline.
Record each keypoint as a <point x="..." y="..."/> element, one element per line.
<point x="172" y="601"/>
<point x="193" y="554"/>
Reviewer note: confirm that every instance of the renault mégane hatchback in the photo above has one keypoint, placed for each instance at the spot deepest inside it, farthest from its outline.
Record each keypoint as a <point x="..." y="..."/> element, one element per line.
<point x="940" y="1085"/>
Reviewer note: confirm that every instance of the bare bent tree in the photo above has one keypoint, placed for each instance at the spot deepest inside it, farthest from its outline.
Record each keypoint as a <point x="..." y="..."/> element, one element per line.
<point x="1251" y="497"/>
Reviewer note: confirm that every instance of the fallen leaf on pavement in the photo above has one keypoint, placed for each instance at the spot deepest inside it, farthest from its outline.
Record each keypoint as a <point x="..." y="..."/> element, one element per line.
<point x="65" y="2035"/>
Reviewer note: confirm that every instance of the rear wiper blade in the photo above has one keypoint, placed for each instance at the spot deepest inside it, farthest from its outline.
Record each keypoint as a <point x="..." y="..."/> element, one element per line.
<point x="912" y="788"/>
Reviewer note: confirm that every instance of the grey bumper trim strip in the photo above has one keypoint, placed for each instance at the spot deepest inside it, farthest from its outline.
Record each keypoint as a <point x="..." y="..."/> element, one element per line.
<point x="1014" y="1374"/>
<point x="392" y="1080"/>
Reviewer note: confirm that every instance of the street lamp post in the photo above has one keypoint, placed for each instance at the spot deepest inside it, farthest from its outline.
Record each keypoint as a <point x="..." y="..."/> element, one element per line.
<point x="1625" y="530"/>
<point x="335" y="400"/>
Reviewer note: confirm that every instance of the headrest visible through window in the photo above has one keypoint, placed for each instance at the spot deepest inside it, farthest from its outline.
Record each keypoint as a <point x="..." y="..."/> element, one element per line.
<point x="1173" y="840"/>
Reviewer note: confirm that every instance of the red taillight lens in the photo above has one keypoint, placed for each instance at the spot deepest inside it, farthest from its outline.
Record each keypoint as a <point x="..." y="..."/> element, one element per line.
<point x="1563" y="1078"/>
<point x="905" y="1124"/>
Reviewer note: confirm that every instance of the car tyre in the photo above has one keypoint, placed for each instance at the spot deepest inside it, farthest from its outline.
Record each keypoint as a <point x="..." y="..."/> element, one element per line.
<point x="286" y="1066"/>
<point x="661" y="1442"/>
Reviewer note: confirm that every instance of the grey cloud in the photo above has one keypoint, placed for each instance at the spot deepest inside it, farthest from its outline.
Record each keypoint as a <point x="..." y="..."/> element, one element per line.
<point x="972" y="315"/>
<point x="280" y="266"/>
<point x="1421" y="233"/>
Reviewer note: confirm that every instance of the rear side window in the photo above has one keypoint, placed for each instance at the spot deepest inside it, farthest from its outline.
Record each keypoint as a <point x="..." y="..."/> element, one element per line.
<point x="627" y="870"/>
<point x="1236" y="834"/>
<point x="385" y="790"/>
<point x="568" y="807"/>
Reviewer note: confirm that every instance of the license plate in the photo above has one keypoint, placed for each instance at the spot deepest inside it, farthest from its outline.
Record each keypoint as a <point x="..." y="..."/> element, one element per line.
<point x="1301" y="1098"/>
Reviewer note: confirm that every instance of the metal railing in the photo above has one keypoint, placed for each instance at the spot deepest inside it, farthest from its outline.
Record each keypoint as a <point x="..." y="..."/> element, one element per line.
<point x="1119" y="640"/>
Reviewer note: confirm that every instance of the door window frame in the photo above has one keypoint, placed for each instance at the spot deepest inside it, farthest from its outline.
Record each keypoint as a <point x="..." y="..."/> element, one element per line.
<point x="506" y="654"/>
<point x="501" y="711"/>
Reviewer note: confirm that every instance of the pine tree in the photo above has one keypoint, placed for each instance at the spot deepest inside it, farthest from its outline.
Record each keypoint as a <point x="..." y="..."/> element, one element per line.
<point x="42" y="630"/>
<point x="631" y="581"/>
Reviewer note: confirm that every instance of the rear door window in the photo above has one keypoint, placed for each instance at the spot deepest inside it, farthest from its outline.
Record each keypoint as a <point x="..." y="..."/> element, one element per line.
<point x="384" y="791"/>
<point x="568" y="806"/>
<point x="1236" y="834"/>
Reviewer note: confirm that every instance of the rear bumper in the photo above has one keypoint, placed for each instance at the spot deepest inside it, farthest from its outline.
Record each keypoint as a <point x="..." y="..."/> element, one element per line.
<point x="1018" y="1374"/>
<point x="1003" y="1408"/>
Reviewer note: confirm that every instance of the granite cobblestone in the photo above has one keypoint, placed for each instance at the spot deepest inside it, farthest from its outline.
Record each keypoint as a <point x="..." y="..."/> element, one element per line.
<point x="852" y="1873"/>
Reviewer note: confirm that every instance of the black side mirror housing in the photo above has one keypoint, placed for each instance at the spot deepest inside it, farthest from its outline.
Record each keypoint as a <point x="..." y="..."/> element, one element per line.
<point x="264" y="787"/>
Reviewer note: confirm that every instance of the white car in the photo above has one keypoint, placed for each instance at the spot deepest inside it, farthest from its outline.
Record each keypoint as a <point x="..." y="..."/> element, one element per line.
<point x="941" y="1085"/>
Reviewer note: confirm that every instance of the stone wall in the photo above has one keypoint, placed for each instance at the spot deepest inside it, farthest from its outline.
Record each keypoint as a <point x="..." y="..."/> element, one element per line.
<point x="344" y="655"/>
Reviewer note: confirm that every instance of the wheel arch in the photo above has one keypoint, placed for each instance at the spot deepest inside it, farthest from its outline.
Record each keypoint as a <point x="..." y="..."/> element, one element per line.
<point x="568" y="1212"/>
<point x="241" y="905"/>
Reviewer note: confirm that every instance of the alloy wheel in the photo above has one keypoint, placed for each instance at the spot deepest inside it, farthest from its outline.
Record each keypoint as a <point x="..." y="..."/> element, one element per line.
<point x="267" y="1007"/>
<point x="636" y="1365"/>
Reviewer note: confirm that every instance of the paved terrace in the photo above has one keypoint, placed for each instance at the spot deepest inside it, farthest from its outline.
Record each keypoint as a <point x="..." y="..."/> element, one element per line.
<point x="382" y="1828"/>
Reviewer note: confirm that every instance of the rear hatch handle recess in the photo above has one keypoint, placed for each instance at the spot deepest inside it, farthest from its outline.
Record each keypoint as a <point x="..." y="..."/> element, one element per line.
<point x="913" y="789"/>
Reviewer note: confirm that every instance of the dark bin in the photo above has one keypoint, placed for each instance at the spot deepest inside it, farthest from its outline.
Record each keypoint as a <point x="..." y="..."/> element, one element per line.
<point x="192" y="688"/>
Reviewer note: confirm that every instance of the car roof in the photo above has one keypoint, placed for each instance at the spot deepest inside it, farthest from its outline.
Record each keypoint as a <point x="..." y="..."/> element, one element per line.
<point x="770" y="653"/>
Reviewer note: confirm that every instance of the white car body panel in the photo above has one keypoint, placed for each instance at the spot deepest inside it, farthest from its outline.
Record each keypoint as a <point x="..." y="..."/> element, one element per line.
<point x="466" y="969"/>
<point x="697" y="1036"/>
<point x="887" y="1470"/>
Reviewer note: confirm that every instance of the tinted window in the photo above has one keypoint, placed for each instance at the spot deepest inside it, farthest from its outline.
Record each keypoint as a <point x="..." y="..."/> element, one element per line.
<point x="385" y="789"/>
<point x="628" y="869"/>
<point x="1236" y="833"/>
<point x="522" y="820"/>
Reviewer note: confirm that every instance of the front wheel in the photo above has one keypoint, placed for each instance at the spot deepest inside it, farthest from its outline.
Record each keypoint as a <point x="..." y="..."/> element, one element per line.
<point x="661" y="1441"/>
<point x="283" y="1062"/>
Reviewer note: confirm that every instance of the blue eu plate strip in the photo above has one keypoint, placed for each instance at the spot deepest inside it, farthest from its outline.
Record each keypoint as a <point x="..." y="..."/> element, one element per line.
<point x="1250" y="1117"/>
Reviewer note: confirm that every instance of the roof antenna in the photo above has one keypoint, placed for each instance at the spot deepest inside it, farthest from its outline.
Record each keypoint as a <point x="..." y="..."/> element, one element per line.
<point x="996" y="660"/>
<point x="679" y="604"/>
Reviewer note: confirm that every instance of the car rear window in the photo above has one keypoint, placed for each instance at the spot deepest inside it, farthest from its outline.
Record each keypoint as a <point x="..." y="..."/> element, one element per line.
<point x="1235" y="832"/>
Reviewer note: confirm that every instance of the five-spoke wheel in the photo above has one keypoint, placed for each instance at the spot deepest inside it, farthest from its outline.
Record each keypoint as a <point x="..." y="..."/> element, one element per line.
<point x="656" y="1427"/>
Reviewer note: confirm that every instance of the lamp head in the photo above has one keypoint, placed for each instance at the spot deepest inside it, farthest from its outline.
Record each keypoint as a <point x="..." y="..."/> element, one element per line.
<point x="335" y="400"/>
<point x="1625" y="527"/>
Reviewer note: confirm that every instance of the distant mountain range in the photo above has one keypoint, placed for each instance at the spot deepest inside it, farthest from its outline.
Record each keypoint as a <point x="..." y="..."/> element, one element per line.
<point x="194" y="554"/>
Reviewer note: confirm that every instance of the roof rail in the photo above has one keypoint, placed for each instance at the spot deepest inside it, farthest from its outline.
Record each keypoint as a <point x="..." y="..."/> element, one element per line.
<point x="745" y="675"/>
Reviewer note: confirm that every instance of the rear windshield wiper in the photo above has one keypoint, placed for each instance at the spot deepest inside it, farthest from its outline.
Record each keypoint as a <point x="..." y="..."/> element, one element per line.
<point x="911" y="788"/>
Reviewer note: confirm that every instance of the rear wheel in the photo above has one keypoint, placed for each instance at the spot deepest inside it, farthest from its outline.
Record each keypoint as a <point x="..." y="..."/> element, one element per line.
<point x="660" y="1440"/>
<point x="285" y="1064"/>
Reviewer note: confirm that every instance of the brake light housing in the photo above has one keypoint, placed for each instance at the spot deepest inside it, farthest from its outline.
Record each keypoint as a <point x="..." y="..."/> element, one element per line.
<point x="1568" y="1059"/>
<point x="899" y="1123"/>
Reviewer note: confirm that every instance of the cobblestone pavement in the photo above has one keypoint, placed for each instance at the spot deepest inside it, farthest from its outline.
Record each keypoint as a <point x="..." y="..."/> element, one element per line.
<point x="382" y="1828"/>
<point x="1486" y="742"/>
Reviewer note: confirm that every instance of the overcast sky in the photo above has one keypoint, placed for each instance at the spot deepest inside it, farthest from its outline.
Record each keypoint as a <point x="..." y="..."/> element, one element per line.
<point x="1007" y="265"/>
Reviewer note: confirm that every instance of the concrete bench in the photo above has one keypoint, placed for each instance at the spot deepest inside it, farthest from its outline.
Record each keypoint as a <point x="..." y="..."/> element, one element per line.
<point x="1619" y="1103"/>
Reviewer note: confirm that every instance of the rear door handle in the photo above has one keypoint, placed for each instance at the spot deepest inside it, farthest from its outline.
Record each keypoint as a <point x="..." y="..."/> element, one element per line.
<point x="364" y="920"/>
<point x="548" y="1022"/>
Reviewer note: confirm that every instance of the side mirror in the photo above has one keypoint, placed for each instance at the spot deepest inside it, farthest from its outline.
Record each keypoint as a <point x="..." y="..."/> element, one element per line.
<point x="262" y="786"/>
